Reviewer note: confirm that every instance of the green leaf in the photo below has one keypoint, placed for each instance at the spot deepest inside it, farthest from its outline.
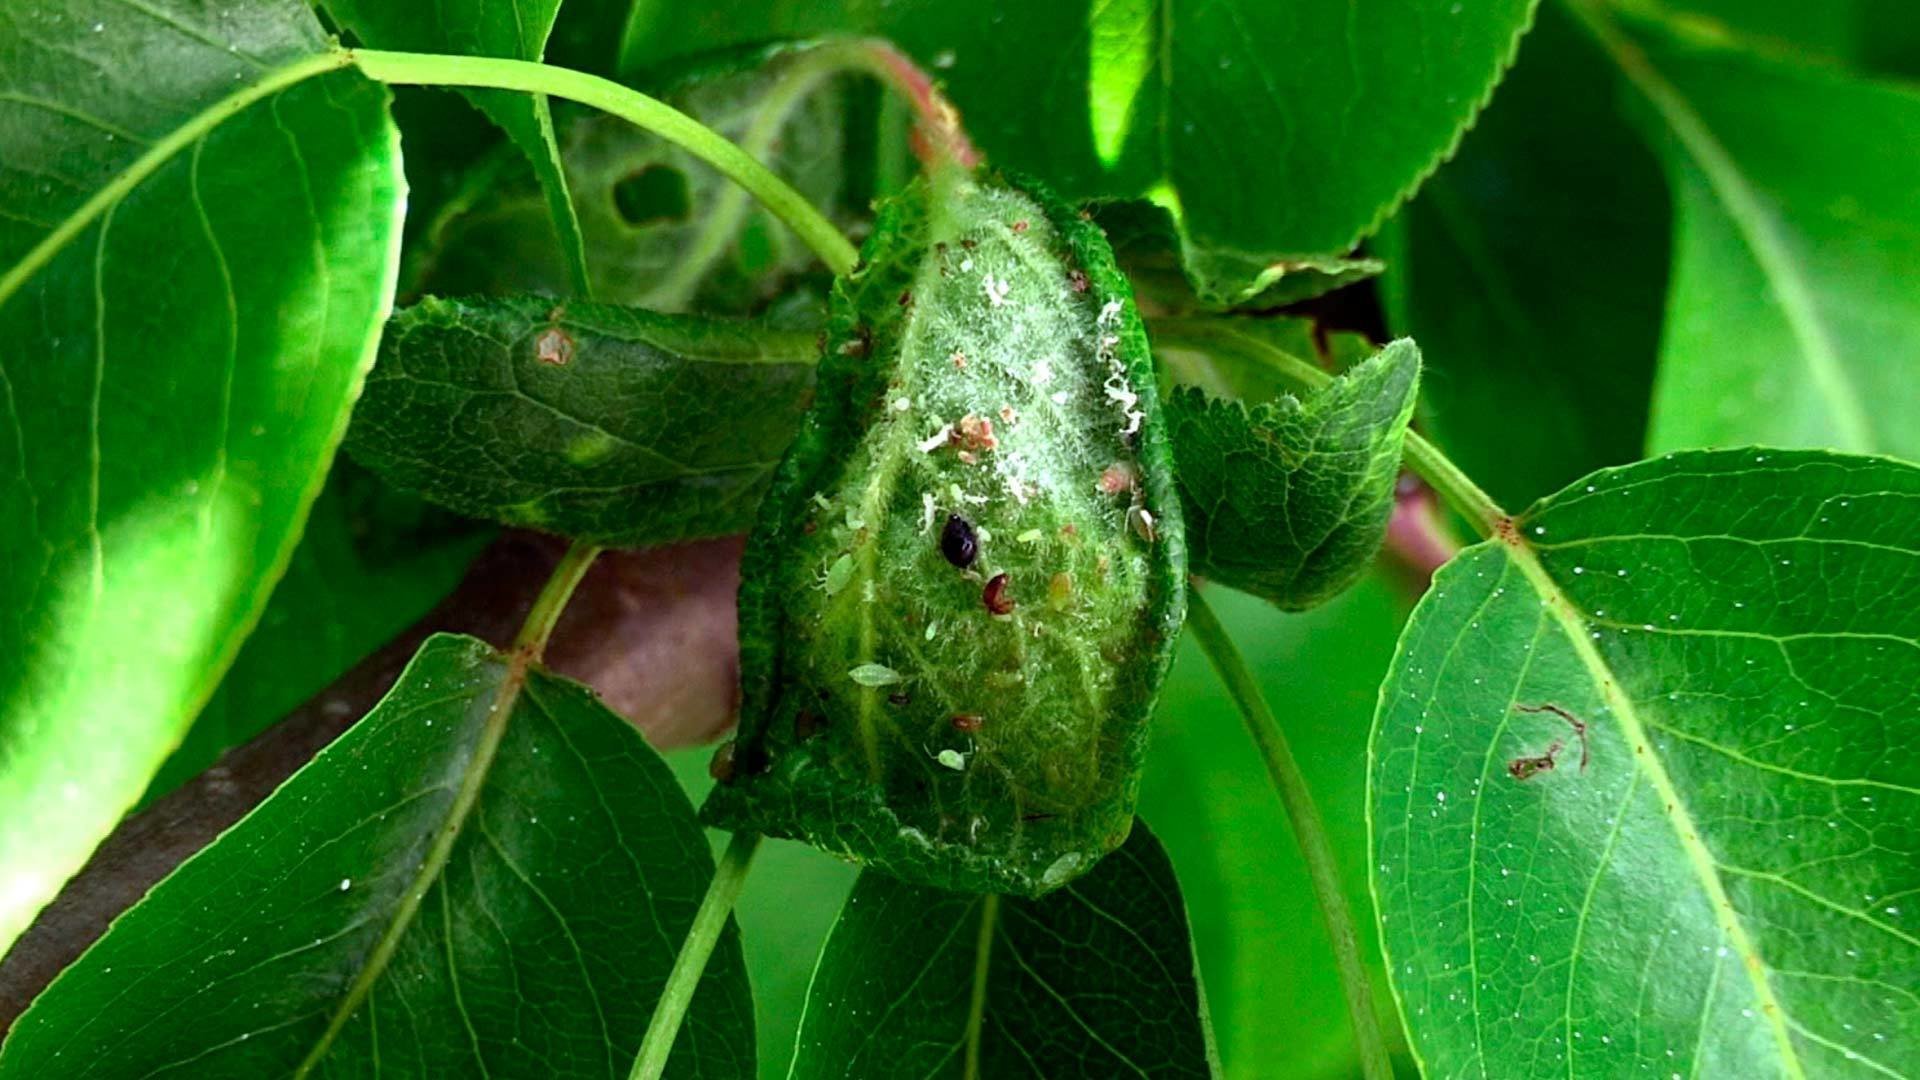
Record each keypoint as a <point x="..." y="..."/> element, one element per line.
<point x="192" y="278"/>
<point x="1532" y="270"/>
<point x="664" y="230"/>
<point x="1273" y="988"/>
<point x="516" y="31"/>
<point x="1094" y="980"/>
<point x="441" y="891"/>
<point x="980" y="504"/>
<point x="1273" y="131"/>
<point x="372" y="560"/>
<point x="608" y="424"/>
<point x="1642" y="794"/>
<point x="1179" y="278"/>
<point x="1289" y="501"/>
<point x="1792" y="319"/>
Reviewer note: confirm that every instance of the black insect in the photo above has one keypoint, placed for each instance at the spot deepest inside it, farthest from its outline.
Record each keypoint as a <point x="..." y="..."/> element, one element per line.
<point x="958" y="542"/>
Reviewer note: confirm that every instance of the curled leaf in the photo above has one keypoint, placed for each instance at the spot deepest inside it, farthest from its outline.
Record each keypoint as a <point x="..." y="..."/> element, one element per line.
<point x="984" y="365"/>
<point x="1289" y="499"/>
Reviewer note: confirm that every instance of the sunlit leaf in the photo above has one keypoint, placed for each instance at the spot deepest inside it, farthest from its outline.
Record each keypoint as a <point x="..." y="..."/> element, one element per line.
<point x="1274" y="131"/>
<point x="1642" y="790"/>
<point x="197" y="252"/>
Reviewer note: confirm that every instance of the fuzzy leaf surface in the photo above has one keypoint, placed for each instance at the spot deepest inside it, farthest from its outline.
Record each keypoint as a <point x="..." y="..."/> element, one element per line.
<point x="1208" y="109"/>
<point x="197" y="253"/>
<point x="608" y="424"/>
<point x="1289" y="500"/>
<point x="1097" y="979"/>
<point x="1791" y="318"/>
<point x="1643" y="792"/>
<point x="967" y="713"/>
<point x="541" y="938"/>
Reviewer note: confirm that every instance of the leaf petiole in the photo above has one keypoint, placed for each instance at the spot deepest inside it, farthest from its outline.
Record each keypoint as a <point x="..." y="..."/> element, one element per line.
<point x="1308" y="830"/>
<point x="684" y="979"/>
<point x="435" y="69"/>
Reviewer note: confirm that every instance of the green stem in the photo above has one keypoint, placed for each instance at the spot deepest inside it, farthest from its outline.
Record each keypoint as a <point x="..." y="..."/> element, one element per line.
<point x="801" y="78"/>
<point x="1308" y="831"/>
<point x="432" y="69"/>
<point x="553" y="598"/>
<point x="715" y="907"/>
<point x="1425" y="459"/>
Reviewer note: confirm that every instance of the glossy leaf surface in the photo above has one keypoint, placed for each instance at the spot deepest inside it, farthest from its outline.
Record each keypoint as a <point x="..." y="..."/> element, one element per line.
<point x="1289" y="500"/>
<point x="197" y="252"/>
<point x="1094" y="980"/>
<point x="1792" y="318"/>
<point x="1210" y="109"/>
<point x="517" y="31"/>
<point x="1532" y="270"/>
<point x="1642" y="791"/>
<point x="440" y="892"/>
<point x="965" y="584"/>
<point x="609" y="424"/>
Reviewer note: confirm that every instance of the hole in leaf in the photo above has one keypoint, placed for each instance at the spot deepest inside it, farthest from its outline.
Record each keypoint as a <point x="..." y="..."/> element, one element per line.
<point x="657" y="193"/>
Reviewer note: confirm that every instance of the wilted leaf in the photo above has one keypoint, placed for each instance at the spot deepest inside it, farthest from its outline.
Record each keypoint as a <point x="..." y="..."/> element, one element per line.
<point x="1094" y="980"/>
<point x="608" y="424"/>
<point x="1273" y="131"/>
<point x="1289" y="501"/>
<point x="1642" y="791"/>
<point x="193" y="270"/>
<point x="517" y="31"/>
<point x="1532" y="270"/>
<point x="488" y="874"/>
<point x="980" y="503"/>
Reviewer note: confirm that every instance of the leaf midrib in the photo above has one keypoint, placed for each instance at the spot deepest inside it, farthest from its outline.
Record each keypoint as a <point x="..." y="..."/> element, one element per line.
<point x="1648" y="762"/>
<point x="158" y="154"/>
<point x="479" y="766"/>
<point x="1755" y="225"/>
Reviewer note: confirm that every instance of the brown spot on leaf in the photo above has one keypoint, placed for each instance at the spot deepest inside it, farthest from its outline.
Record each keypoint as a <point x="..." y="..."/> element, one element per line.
<point x="554" y="346"/>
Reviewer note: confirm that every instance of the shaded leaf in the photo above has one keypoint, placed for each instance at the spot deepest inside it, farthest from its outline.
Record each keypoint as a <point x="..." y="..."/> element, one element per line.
<point x="664" y="230"/>
<point x="1642" y="793"/>
<point x="1094" y="980"/>
<point x="1273" y="988"/>
<point x="394" y="904"/>
<point x="159" y="446"/>
<point x="1147" y="241"/>
<point x="1209" y="109"/>
<point x="517" y="31"/>
<point x="608" y="424"/>
<point x="1532" y="270"/>
<point x="371" y="561"/>
<point x="1289" y="501"/>
<point x="1791" y="319"/>
<point x="984" y="365"/>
